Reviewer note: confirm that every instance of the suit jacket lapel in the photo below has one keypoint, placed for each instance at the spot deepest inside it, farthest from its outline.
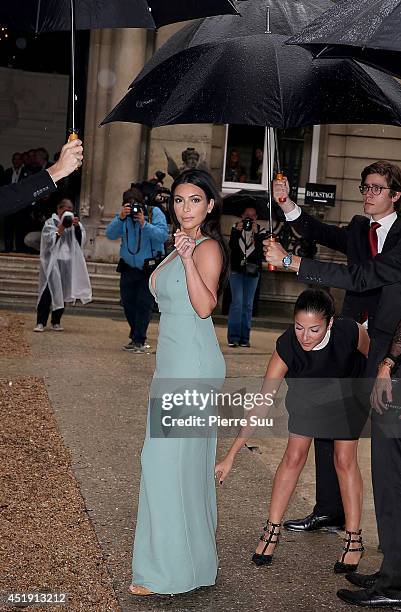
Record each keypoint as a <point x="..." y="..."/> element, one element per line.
<point x="393" y="237"/>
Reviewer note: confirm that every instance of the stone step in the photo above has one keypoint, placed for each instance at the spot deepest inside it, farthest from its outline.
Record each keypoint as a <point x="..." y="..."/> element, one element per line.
<point x="107" y="280"/>
<point x="31" y="262"/>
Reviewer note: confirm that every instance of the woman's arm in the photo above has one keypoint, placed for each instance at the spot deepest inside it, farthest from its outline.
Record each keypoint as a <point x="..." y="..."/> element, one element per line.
<point x="363" y="341"/>
<point x="202" y="270"/>
<point x="275" y="372"/>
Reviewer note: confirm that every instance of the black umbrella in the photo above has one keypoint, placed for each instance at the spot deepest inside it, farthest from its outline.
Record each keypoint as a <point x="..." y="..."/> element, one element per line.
<point x="367" y="30"/>
<point x="236" y="203"/>
<point x="56" y="15"/>
<point x="284" y="17"/>
<point x="257" y="80"/>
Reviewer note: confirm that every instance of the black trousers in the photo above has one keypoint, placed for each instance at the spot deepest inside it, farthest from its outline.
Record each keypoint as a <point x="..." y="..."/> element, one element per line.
<point x="44" y="307"/>
<point x="137" y="302"/>
<point x="386" y="480"/>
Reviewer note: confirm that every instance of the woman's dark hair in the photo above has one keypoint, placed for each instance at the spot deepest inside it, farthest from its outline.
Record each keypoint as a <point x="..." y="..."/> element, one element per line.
<point x="211" y="224"/>
<point x="316" y="301"/>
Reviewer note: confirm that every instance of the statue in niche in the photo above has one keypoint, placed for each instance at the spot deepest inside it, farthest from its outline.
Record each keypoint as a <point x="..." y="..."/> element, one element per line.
<point x="191" y="159"/>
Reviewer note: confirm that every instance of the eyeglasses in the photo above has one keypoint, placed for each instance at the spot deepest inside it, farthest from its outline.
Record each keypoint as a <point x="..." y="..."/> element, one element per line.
<point x="375" y="189"/>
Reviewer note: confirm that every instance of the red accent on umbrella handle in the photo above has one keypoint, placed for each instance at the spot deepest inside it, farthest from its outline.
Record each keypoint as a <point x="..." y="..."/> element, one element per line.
<point x="280" y="177"/>
<point x="270" y="267"/>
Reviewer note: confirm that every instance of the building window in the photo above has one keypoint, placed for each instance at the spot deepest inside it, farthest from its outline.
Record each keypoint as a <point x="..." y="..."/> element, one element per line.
<point x="245" y="157"/>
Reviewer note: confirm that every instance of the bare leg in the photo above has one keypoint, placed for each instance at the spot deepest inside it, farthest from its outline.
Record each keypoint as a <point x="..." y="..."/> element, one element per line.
<point x="285" y="481"/>
<point x="351" y="487"/>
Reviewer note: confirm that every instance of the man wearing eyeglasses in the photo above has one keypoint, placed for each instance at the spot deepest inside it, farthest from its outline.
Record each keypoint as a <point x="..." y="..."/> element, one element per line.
<point x="372" y="280"/>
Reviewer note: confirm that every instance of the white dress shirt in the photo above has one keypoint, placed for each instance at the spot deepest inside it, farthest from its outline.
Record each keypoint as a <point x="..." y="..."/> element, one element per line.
<point x="382" y="231"/>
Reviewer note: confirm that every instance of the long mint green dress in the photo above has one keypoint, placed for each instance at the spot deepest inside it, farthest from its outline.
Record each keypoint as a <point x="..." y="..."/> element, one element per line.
<point x="175" y="538"/>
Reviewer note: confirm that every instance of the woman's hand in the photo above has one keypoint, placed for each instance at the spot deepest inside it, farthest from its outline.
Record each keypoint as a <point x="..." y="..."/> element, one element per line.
<point x="381" y="388"/>
<point x="184" y="244"/>
<point x="223" y="468"/>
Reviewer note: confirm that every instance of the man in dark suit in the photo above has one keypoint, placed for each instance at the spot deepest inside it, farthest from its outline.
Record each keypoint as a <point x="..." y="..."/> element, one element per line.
<point x="373" y="283"/>
<point x="16" y="196"/>
<point x="16" y="225"/>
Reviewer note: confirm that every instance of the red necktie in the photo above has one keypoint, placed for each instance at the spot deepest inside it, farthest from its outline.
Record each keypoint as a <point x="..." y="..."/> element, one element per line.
<point x="373" y="238"/>
<point x="373" y="250"/>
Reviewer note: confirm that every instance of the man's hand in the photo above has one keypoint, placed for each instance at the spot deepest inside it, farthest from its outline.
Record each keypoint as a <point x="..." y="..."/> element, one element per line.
<point x="381" y="387"/>
<point x="140" y="216"/>
<point x="125" y="211"/>
<point x="281" y="190"/>
<point x="75" y="221"/>
<point x="239" y="226"/>
<point x="274" y="254"/>
<point x="70" y="159"/>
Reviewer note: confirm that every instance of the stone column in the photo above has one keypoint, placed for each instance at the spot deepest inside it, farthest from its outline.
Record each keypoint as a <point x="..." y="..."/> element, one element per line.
<point x="112" y="151"/>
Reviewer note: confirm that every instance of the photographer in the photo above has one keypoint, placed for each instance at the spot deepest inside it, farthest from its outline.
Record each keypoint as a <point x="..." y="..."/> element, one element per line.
<point x="246" y="263"/>
<point x="63" y="275"/>
<point x="161" y="199"/>
<point x="143" y="231"/>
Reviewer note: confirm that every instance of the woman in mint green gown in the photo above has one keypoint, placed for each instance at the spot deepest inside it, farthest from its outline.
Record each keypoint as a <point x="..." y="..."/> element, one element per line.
<point x="175" y="537"/>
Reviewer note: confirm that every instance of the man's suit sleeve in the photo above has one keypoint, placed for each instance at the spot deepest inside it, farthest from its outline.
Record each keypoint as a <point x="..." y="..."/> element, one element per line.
<point x="384" y="269"/>
<point x="18" y="195"/>
<point x="330" y="236"/>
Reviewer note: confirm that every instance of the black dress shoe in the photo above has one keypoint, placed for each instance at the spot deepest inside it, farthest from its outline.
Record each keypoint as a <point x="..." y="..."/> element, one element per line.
<point x="365" y="581"/>
<point x="313" y="522"/>
<point x="369" y="599"/>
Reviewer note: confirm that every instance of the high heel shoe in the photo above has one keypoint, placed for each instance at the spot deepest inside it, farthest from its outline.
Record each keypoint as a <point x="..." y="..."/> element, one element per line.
<point x="268" y="530"/>
<point x="343" y="568"/>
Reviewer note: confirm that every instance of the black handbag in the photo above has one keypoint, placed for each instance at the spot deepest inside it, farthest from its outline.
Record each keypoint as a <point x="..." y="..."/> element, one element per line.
<point x="250" y="269"/>
<point x="150" y="264"/>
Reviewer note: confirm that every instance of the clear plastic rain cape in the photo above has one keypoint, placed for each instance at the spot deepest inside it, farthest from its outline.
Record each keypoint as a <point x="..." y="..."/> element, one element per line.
<point x="62" y="265"/>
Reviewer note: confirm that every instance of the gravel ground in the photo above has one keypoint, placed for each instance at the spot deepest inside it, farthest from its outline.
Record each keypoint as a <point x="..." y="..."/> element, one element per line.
<point x="12" y="337"/>
<point x="47" y="543"/>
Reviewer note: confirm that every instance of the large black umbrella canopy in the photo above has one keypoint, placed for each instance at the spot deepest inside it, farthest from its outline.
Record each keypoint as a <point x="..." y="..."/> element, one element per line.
<point x="284" y="17"/>
<point x="367" y="30"/>
<point x="257" y="80"/>
<point x="54" y="15"/>
<point x="57" y="15"/>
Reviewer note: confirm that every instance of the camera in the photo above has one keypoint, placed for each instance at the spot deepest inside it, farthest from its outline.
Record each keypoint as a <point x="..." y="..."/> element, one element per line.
<point x="135" y="208"/>
<point x="247" y="224"/>
<point x="67" y="218"/>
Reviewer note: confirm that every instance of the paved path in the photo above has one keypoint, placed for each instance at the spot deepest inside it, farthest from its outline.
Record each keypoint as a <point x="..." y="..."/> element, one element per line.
<point x="99" y="395"/>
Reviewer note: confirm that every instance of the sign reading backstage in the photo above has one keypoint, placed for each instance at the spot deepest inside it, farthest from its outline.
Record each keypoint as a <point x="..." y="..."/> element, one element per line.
<point x="316" y="193"/>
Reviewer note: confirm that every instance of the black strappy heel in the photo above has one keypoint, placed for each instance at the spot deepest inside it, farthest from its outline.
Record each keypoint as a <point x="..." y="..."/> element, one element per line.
<point x="343" y="568"/>
<point x="269" y="530"/>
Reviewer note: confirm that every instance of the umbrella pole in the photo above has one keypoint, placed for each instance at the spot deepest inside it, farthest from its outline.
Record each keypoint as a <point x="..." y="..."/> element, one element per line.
<point x="74" y="134"/>
<point x="269" y="148"/>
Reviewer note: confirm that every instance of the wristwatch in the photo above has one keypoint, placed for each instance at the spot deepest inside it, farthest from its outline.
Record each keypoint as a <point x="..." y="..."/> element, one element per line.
<point x="287" y="260"/>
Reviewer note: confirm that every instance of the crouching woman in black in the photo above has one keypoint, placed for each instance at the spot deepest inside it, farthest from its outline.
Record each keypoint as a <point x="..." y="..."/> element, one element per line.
<point x="319" y="356"/>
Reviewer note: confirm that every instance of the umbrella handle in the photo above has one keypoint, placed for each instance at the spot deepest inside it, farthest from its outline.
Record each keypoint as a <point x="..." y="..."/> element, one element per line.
<point x="271" y="238"/>
<point x="280" y="177"/>
<point x="73" y="136"/>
